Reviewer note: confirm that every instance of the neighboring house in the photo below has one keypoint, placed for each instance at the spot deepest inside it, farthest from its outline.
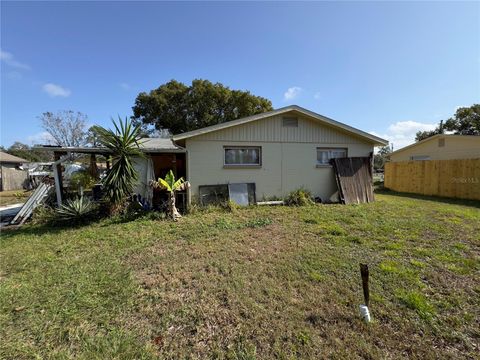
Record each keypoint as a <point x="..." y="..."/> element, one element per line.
<point x="12" y="176"/>
<point x="440" y="147"/>
<point x="279" y="151"/>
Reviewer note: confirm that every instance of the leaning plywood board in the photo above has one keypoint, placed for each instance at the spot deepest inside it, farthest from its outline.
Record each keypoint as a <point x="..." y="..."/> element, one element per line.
<point x="354" y="179"/>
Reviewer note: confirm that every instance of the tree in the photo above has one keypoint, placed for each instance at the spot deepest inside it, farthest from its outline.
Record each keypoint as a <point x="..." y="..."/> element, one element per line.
<point x="171" y="186"/>
<point x="26" y="152"/>
<point x="123" y="143"/>
<point x="380" y="158"/>
<point x="67" y="128"/>
<point x="177" y="107"/>
<point x="466" y="121"/>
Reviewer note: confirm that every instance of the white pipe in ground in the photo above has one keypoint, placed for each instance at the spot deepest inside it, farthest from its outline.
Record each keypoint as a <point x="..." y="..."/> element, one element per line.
<point x="364" y="313"/>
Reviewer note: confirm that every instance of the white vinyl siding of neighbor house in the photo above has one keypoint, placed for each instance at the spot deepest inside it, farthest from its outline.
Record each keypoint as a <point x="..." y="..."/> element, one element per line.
<point x="288" y="157"/>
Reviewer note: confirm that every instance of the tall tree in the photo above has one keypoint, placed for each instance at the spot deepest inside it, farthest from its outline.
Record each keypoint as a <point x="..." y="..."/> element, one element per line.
<point x="177" y="107"/>
<point x="466" y="121"/>
<point x="380" y="157"/>
<point x="67" y="128"/>
<point x="28" y="153"/>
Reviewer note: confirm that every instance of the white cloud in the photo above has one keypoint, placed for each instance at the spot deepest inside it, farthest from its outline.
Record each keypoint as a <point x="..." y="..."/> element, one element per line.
<point x="125" y="86"/>
<point x="9" y="59"/>
<point x="56" y="90"/>
<point x="43" y="138"/>
<point x="292" y="93"/>
<point x="402" y="133"/>
<point x="317" y="95"/>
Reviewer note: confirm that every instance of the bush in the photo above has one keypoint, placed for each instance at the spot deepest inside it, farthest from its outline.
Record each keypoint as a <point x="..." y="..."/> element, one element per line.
<point x="43" y="215"/>
<point x="299" y="197"/>
<point x="76" y="210"/>
<point x="82" y="179"/>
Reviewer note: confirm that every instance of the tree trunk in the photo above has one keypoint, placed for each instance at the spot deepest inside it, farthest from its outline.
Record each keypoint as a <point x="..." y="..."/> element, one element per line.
<point x="172" y="209"/>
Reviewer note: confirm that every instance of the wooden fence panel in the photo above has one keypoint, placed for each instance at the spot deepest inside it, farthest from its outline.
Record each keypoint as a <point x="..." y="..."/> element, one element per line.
<point x="448" y="178"/>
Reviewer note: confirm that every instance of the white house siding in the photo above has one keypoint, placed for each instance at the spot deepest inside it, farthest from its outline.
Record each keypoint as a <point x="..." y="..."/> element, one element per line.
<point x="288" y="157"/>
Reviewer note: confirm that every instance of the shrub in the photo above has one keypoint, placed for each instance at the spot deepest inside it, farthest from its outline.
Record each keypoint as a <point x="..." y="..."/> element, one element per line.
<point x="82" y="179"/>
<point x="43" y="215"/>
<point x="76" y="210"/>
<point x="299" y="197"/>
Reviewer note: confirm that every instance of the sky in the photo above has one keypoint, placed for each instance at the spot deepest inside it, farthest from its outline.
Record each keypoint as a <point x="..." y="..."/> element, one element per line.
<point x="388" y="68"/>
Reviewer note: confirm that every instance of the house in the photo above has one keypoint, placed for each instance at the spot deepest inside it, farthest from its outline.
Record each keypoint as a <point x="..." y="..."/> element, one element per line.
<point x="440" y="147"/>
<point x="267" y="155"/>
<point x="277" y="151"/>
<point x="12" y="176"/>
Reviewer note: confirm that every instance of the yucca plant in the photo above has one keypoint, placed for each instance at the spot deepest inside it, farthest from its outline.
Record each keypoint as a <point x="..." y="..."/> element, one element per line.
<point x="75" y="209"/>
<point x="124" y="147"/>
<point x="171" y="186"/>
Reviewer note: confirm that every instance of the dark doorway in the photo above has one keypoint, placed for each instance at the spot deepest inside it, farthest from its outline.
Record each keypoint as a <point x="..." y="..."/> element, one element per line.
<point x="162" y="164"/>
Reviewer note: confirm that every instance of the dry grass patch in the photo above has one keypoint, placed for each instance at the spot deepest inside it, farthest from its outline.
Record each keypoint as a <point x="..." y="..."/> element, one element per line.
<point x="255" y="283"/>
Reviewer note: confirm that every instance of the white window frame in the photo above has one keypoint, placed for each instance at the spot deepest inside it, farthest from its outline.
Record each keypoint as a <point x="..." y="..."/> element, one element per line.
<point x="242" y="165"/>
<point x="330" y="153"/>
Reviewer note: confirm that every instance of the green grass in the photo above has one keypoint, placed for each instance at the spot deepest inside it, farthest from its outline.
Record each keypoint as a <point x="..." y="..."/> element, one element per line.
<point x="253" y="283"/>
<point x="13" y="197"/>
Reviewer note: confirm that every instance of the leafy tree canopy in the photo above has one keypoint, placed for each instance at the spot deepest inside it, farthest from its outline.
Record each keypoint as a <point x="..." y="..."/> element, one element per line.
<point x="466" y="121"/>
<point x="28" y="153"/>
<point x="381" y="157"/>
<point x="177" y="107"/>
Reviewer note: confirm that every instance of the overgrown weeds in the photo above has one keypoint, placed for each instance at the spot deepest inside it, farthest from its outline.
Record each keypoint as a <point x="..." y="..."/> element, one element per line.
<point x="299" y="197"/>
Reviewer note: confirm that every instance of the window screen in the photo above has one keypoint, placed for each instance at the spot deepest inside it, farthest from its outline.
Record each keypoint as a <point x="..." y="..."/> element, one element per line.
<point x="247" y="156"/>
<point x="419" y="157"/>
<point x="324" y="155"/>
<point x="290" y="122"/>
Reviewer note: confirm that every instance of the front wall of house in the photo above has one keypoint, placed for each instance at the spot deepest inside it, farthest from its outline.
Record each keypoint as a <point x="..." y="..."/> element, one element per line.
<point x="288" y="157"/>
<point x="461" y="147"/>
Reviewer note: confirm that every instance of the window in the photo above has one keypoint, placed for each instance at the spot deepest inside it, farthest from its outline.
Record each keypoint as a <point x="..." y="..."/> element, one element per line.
<point x="419" y="157"/>
<point x="290" y="122"/>
<point x="243" y="156"/>
<point x="324" y="155"/>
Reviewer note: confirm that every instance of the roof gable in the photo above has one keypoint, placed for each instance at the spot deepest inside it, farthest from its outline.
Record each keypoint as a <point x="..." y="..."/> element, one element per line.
<point x="289" y="109"/>
<point x="437" y="136"/>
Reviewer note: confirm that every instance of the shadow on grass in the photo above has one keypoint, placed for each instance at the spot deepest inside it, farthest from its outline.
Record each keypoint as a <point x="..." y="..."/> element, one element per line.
<point x="41" y="229"/>
<point x="445" y="200"/>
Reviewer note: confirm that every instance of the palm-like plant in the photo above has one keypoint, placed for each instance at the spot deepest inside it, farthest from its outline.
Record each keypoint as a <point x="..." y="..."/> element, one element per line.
<point x="76" y="209"/>
<point x="123" y="144"/>
<point x="171" y="186"/>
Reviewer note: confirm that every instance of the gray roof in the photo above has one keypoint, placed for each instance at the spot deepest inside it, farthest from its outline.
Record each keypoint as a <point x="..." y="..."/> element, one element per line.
<point x="7" y="158"/>
<point x="158" y="144"/>
<point x="148" y="145"/>
<point x="323" y="119"/>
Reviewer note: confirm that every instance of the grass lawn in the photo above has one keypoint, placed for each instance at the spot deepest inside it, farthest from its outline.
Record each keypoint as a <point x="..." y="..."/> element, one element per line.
<point x="13" y="197"/>
<point x="260" y="282"/>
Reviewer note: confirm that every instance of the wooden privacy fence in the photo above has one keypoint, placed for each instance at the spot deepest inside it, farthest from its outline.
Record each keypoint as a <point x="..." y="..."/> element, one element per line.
<point x="448" y="178"/>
